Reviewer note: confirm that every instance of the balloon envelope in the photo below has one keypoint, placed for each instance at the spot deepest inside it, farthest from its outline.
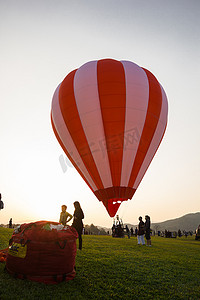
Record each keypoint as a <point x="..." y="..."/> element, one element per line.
<point x="109" y="117"/>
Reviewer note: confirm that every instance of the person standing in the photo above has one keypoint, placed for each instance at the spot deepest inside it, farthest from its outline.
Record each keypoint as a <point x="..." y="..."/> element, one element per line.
<point x="10" y="223"/>
<point x="65" y="217"/>
<point x="136" y="231"/>
<point x="1" y="203"/>
<point x="132" y="231"/>
<point x="140" y="234"/>
<point x="148" y="230"/>
<point x="128" y="231"/>
<point x="77" y="222"/>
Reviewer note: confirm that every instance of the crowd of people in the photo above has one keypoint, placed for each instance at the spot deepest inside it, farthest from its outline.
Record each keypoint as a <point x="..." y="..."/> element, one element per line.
<point x="174" y="234"/>
<point x="142" y="231"/>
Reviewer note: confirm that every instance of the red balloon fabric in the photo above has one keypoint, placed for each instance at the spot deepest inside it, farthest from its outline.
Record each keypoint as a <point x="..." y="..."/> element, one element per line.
<point x="42" y="251"/>
<point x="109" y="117"/>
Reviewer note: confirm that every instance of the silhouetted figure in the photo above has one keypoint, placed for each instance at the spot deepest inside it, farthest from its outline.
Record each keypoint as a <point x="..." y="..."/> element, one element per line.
<point x="168" y="234"/>
<point x="136" y="231"/>
<point x="65" y="217"/>
<point x="113" y="230"/>
<point x="10" y="223"/>
<point x="148" y="230"/>
<point x="140" y="234"/>
<point x="117" y="220"/>
<point x="128" y="231"/>
<point x="77" y="222"/>
<point x="118" y="228"/>
<point x="131" y="231"/>
<point x="1" y="203"/>
<point x="197" y="235"/>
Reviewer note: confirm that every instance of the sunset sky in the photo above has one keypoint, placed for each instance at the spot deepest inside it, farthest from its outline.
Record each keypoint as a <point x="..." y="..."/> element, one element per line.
<point x="41" y="42"/>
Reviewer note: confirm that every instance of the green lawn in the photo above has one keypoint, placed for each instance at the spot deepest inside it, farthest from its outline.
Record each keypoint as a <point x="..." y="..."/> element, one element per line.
<point x="111" y="268"/>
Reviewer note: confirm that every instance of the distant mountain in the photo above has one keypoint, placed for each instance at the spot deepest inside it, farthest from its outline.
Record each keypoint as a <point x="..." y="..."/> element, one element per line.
<point x="187" y="222"/>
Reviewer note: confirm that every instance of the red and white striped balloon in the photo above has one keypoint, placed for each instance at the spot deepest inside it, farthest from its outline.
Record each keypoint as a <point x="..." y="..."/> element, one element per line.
<point x="109" y="117"/>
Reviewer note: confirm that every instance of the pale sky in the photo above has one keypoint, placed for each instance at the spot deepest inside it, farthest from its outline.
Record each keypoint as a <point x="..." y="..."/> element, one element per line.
<point x="41" y="42"/>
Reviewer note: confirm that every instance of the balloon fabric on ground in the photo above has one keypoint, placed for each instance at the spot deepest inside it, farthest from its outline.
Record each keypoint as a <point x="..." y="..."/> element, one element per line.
<point x="109" y="117"/>
<point x="42" y="251"/>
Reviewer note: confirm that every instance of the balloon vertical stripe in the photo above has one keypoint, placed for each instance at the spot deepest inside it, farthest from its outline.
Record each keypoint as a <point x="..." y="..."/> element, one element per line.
<point x="73" y="123"/>
<point x="137" y="87"/>
<point x="66" y="142"/>
<point x="157" y="138"/>
<point x="152" y="117"/>
<point x="87" y="101"/>
<point x="112" y="97"/>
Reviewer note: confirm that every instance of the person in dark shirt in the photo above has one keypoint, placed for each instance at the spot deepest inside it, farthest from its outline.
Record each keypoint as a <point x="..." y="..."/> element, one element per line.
<point x="148" y="230"/>
<point x="128" y="231"/>
<point x="10" y="223"/>
<point x="140" y="233"/>
<point x="1" y="203"/>
<point x="77" y="222"/>
<point x="132" y="231"/>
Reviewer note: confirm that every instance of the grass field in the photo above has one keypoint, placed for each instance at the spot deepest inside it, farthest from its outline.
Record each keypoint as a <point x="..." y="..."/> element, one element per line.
<point x="111" y="268"/>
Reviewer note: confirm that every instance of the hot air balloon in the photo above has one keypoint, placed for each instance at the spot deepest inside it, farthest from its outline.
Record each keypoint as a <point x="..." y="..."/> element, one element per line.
<point x="109" y="117"/>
